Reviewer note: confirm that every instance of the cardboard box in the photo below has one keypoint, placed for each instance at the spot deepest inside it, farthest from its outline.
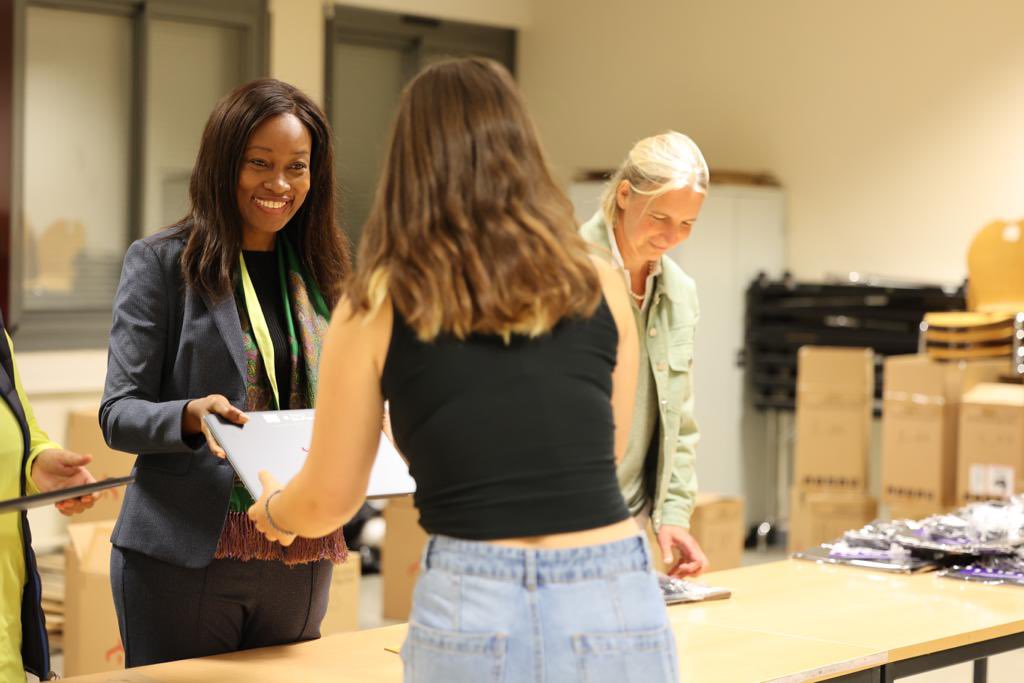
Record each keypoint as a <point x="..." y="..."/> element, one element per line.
<point x="92" y="642"/>
<point x="404" y="540"/>
<point x="835" y="396"/>
<point x="991" y="458"/>
<point x="343" y="603"/>
<point x="816" y="517"/>
<point x="717" y="526"/>
<point x="915" y="510"/>
<point x="920" y="426"/>
<point x="84" y="436"/>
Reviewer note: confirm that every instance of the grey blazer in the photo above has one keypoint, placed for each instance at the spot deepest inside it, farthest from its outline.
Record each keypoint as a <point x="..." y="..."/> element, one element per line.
<point x="168" y="345"/>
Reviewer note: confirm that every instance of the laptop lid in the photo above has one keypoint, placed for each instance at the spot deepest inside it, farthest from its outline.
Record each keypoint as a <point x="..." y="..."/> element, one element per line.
<point x="278" y="441"/>
<point x="41" y="499"/>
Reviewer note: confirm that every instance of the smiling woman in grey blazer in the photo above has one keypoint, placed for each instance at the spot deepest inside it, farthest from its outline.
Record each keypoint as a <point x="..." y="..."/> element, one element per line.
<point x="222" y="313"/>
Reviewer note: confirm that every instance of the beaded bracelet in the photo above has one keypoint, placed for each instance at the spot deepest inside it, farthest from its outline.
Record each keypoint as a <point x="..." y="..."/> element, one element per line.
<point x="270" y="520"/>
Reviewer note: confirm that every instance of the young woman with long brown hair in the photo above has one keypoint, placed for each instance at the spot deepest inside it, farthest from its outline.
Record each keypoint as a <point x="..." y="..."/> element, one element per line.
<point x="508" y="356"/>
<point x="222" y="313"/>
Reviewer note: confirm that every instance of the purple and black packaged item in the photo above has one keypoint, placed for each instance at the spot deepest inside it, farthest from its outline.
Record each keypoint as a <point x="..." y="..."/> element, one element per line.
<point x="993" y="528"/>
<point x="996" y="570"/>
<point x="894" y="558"/>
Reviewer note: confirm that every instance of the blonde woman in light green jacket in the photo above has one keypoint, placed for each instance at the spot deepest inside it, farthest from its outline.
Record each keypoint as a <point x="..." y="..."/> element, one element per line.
<point x="649" y="207"/>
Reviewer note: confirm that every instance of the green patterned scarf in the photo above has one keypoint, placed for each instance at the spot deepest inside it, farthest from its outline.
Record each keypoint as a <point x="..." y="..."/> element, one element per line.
<point x="306" y="319"/>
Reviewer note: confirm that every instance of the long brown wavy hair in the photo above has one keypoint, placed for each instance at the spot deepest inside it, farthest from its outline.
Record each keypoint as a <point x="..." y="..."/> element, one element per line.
<point x="468" y="232"/>
<point x="213" y="225"/>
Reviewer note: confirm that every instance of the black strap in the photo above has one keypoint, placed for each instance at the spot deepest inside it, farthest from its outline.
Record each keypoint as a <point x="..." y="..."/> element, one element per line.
<point x="9" y="393"/>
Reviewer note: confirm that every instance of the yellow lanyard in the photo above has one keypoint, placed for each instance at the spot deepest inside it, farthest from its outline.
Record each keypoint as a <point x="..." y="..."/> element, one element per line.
<point x="259" y="329"/>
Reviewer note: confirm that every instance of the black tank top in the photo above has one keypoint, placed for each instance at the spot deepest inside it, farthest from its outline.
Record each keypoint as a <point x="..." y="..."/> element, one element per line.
<point x="508" y="440"/>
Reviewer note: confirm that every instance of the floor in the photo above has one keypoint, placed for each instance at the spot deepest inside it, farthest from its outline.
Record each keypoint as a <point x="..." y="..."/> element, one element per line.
<point x="1005" y="668"/>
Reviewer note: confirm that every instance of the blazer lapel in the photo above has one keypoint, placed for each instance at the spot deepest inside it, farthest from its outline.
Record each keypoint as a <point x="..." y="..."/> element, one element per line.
<point x="225" y="316"/>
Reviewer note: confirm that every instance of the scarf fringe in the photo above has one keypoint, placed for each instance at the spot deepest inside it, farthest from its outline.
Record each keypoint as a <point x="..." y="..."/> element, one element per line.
<point x="240" y="540"/>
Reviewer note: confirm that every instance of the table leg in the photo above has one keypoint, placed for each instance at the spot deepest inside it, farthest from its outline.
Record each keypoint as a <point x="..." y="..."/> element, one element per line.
<point x="981" y="670"/>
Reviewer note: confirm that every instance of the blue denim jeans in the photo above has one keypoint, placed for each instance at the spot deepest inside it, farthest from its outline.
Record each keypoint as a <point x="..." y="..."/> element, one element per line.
<point x="483" y="612"/>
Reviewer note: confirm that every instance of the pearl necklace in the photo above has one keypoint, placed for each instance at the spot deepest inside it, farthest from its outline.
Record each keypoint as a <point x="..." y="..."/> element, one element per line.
<point x="639" y="298"/>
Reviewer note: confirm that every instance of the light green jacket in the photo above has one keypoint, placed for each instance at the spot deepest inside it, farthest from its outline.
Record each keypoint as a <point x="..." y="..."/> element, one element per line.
<point x="669" y="341"/>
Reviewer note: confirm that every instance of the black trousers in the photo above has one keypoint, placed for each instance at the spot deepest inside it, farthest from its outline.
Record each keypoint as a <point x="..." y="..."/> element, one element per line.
<point x="166" y="612"/>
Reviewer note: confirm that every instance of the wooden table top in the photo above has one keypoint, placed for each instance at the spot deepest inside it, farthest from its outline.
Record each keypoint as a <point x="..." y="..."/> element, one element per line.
<point x="901" y="615"/>
<point x="786" y="621"/>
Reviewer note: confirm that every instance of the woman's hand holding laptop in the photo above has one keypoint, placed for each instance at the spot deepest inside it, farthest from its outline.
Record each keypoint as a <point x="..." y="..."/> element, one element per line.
<point x="192" y="421"/>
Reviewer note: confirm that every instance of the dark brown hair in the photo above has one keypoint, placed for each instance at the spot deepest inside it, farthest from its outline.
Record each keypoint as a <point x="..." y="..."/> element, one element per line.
<point x="213" y="226"/>
<point x="468" y="232"/>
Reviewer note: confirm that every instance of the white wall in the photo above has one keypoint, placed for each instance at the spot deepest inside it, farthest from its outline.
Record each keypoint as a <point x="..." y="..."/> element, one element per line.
<point x="297" y="44"/>
<point x="505" y="13"/>
<point x="893" y="126"/>
<point x="297" y="30"/>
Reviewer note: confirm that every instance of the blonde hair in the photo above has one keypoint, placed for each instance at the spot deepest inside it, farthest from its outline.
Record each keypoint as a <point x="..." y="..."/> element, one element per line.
<point x="656" y="165"/>
<point x="469" y="233"/>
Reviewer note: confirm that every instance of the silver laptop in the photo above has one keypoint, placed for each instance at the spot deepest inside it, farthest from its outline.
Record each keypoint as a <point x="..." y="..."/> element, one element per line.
<point x="278" y="440"/>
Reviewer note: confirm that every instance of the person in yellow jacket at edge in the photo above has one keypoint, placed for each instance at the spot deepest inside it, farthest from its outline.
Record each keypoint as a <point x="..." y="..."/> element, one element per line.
<point x="29" y="463"/>
<point x="648" y="208"/>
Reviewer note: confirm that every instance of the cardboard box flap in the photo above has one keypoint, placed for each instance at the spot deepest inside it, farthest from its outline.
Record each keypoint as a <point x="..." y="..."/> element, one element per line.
<point x="849" y="371"/>
<point x="921" y="379"/>
<point x="1010" y="395"/>
<point x="915" y="378"/>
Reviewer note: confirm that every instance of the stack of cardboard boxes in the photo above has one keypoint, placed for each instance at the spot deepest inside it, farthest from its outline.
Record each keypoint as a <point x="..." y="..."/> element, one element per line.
<point x="835" y="398"/>
<point x="951" y="434"/>
<point x="991" y="458"/>
<point x="925" y="401"/>
<point x="91" y="639"/>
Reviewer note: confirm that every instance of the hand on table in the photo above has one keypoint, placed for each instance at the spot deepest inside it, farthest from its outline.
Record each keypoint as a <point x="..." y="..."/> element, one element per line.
<point x="195" y="410"/>
<point x="55" y="469"/>
<point x="258" y="512"/>
<point x="692" y="560"/>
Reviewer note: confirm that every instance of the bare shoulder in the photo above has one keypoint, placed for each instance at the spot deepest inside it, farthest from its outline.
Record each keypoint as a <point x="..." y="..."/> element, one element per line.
<point x="604" y="268"/>
<point x="614" y="287"/>
<point x="369" y="331"/>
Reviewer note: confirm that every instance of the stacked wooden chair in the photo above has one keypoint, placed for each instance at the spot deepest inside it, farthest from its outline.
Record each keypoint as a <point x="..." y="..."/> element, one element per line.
<point x="993" y="327"/>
